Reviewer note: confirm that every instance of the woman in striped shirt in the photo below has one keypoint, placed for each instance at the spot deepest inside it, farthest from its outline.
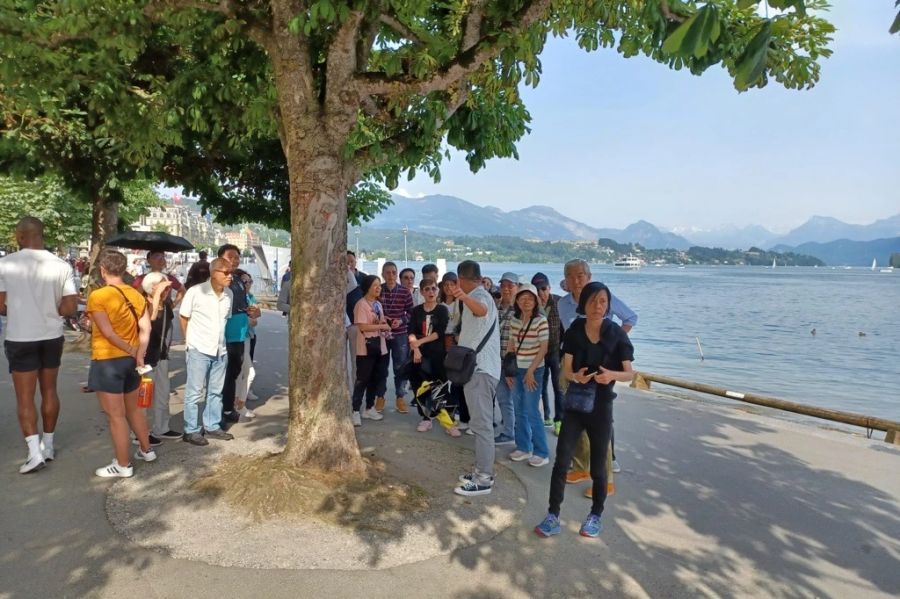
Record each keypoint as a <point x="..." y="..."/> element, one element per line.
<point x="528" y="337"/>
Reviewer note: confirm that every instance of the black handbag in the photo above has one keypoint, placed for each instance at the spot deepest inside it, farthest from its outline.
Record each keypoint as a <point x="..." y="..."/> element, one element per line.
<point x="510" y="362"/>
<point x="373" y="346"/>
<point x="580" y="397"/>
<point x="460" y="362"/>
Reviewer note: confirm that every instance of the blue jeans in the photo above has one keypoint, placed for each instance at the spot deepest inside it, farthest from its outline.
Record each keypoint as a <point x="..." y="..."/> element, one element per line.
<point x="204" y="373"/>
<point x="551" y="374"/>
<point x="504" y="400"/>
<point x="530" y="434"/>
<point x="398" y="350"/>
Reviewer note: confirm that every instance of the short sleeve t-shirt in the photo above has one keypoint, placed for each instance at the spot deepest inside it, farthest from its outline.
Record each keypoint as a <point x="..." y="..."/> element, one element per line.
<point x="35" y="281"/>
<point x="365" y="313"/>
<point x="474" y="330"/>
<point x="613" y="348"/>
<point x="109" y="300"/>
<point x="537" y="332"/>
<point x="424" y="323"/>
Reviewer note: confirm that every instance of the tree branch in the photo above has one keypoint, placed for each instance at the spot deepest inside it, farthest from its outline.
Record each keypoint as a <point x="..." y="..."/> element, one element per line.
<point x="472" y="29"/>
<point x="340" y="63"/>
<point x="225" y="7"/>
<point x="400" y="141"/>
<point x="400" y="28"/>
<point x="465" y="63"/>
<point x="668" y="14"/>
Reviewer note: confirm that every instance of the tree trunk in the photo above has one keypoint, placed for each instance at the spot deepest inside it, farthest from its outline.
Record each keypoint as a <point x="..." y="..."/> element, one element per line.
<point x="320" y="432"/>
<point x="104" y="224"/>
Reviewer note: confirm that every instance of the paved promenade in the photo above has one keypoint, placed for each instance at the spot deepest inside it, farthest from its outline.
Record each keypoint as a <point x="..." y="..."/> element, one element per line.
<point x="713" y="501"/>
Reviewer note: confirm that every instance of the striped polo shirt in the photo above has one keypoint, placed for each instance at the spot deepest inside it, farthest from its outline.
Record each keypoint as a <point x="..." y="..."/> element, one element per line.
<point x="538" y="332"/>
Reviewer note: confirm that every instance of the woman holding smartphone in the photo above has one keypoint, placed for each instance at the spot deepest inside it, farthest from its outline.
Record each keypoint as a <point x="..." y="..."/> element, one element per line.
<point x="596" y="353"/>
<point x="371" y="349"/>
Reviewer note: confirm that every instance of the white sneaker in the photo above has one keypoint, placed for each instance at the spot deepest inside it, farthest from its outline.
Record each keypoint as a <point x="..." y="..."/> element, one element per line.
<point x="355" y="418"/>
<point x="47" y="452"/>
<point x="147" y="456"/>
<point x="372" y="414"/>
<point x="462" y="426"/>
<point x="115" y="471"/>
<point x="538" y="461"/>
<point x="251" y="396"/>
<point x="247" y="413"/>
<point x="519" y="455"/>
<point x="469" y="431"/>
<point x="34" y="463"/>
<point x="615" y="467"/>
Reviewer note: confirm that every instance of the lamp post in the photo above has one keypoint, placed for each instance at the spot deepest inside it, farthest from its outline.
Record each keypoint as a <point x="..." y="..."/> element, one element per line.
<point x="405" y="256"/>
<point x="358" y="231"/>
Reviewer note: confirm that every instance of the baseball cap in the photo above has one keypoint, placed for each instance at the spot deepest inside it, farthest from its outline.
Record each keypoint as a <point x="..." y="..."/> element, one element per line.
<point x="511" y="277"/>
<point x="540" y="280"/>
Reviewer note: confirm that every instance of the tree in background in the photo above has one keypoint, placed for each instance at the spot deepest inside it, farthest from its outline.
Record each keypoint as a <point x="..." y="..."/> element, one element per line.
<point x="293" y="103"/>
<point x="67" y="221"/>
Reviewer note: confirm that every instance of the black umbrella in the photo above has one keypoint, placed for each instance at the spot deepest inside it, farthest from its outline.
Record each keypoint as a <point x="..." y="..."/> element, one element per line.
<point x="150" y="240"/>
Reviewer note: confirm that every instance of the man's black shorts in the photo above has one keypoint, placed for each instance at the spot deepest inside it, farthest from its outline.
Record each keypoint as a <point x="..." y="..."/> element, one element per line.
<point x="115" y="375"/>
<point x="28" y="356"/>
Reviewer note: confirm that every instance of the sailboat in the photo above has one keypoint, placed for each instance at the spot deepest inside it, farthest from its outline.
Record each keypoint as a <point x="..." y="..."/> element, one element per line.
<point x="773" y="263"/>
<point x="874" y="263"/>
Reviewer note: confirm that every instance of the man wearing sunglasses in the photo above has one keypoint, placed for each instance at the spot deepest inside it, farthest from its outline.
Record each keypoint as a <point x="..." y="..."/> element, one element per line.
<point x="204" y="311"/>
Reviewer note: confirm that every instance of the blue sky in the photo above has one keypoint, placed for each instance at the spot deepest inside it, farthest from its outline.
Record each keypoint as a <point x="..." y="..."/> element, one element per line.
<point x="616" y="140"/>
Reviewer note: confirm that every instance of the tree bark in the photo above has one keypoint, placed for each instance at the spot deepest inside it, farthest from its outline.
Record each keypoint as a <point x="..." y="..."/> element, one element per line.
<point x="320" y="432"/>
<point x="104" y="224"/>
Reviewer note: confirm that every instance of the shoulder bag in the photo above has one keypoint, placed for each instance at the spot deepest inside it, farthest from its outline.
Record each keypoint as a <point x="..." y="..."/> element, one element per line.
<point x="460" y="362"/>
<point x="510" y="362"/>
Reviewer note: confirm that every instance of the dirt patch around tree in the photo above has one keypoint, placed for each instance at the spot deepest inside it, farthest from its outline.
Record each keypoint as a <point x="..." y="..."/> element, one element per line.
<point x="184" y="506"/>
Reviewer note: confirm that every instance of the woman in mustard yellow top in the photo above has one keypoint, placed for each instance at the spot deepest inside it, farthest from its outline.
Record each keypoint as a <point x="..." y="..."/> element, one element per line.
<point x="120" y="332"/>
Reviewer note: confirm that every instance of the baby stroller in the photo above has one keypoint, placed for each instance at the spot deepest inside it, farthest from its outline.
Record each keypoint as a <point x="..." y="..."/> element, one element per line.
<point x="436" y="401"/>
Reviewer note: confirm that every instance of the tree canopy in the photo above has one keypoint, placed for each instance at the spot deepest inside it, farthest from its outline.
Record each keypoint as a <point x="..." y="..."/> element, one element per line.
<point x="188" y="86"/>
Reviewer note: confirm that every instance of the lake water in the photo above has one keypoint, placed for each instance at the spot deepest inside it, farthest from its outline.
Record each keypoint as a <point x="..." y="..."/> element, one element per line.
<point x="754" y="326"/>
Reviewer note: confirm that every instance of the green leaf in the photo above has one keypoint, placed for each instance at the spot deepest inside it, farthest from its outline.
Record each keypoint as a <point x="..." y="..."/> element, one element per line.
<point x="675" y="40"/>
<point x="752" y="63"/>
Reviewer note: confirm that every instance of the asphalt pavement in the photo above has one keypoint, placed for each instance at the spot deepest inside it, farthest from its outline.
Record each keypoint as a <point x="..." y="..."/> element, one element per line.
<point x="714" y="500"/>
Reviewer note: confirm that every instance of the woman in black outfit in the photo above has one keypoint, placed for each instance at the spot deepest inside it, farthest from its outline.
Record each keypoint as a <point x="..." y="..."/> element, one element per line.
<point x="595" y="351"/>
<point x="427" y="329"/>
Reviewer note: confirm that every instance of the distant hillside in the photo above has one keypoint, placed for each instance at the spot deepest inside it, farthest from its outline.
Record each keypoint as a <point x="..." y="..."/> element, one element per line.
<point x="846" y="252"/>
<point x="729" y="236"/>
<point x="823" y="229"/>
<point x="648" y="236"/>
<point x="448" y="215"/>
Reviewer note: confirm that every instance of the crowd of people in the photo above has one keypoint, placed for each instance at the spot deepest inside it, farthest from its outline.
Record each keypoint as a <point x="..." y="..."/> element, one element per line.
<point x="525" y="345"/>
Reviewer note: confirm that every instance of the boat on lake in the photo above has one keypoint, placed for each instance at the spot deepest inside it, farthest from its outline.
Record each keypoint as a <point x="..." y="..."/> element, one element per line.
<point x="629" y="261"/>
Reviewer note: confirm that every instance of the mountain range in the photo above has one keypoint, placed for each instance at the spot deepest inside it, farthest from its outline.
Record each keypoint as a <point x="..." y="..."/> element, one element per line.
<point x="448" y="215"/>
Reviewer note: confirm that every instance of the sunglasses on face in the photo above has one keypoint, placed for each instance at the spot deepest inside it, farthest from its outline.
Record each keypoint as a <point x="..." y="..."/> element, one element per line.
<point x="545" y="288"/>
<point x="429" y="289"/>
<point x="227" y="273"/>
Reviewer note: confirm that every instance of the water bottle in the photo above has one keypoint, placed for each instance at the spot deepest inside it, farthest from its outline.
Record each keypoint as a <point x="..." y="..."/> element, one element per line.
<point x="145" y="390"/>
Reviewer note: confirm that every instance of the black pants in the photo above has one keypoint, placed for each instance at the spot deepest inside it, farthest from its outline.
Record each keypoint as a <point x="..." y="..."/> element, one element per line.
<point x="551" y="374"/>
<point x="232" y="372"/>
<point x="371" y="372"/>
<point x="598" y="425"/>
<point x="252" y="346"/>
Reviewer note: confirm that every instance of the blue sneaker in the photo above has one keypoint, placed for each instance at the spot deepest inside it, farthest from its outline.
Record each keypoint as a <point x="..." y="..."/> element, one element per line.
<point x="591" y="526"/>
<point x="548" y="527"/>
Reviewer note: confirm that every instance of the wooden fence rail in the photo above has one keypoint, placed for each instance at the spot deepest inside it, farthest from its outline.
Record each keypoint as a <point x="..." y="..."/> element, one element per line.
<point x="891" y="428"/>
